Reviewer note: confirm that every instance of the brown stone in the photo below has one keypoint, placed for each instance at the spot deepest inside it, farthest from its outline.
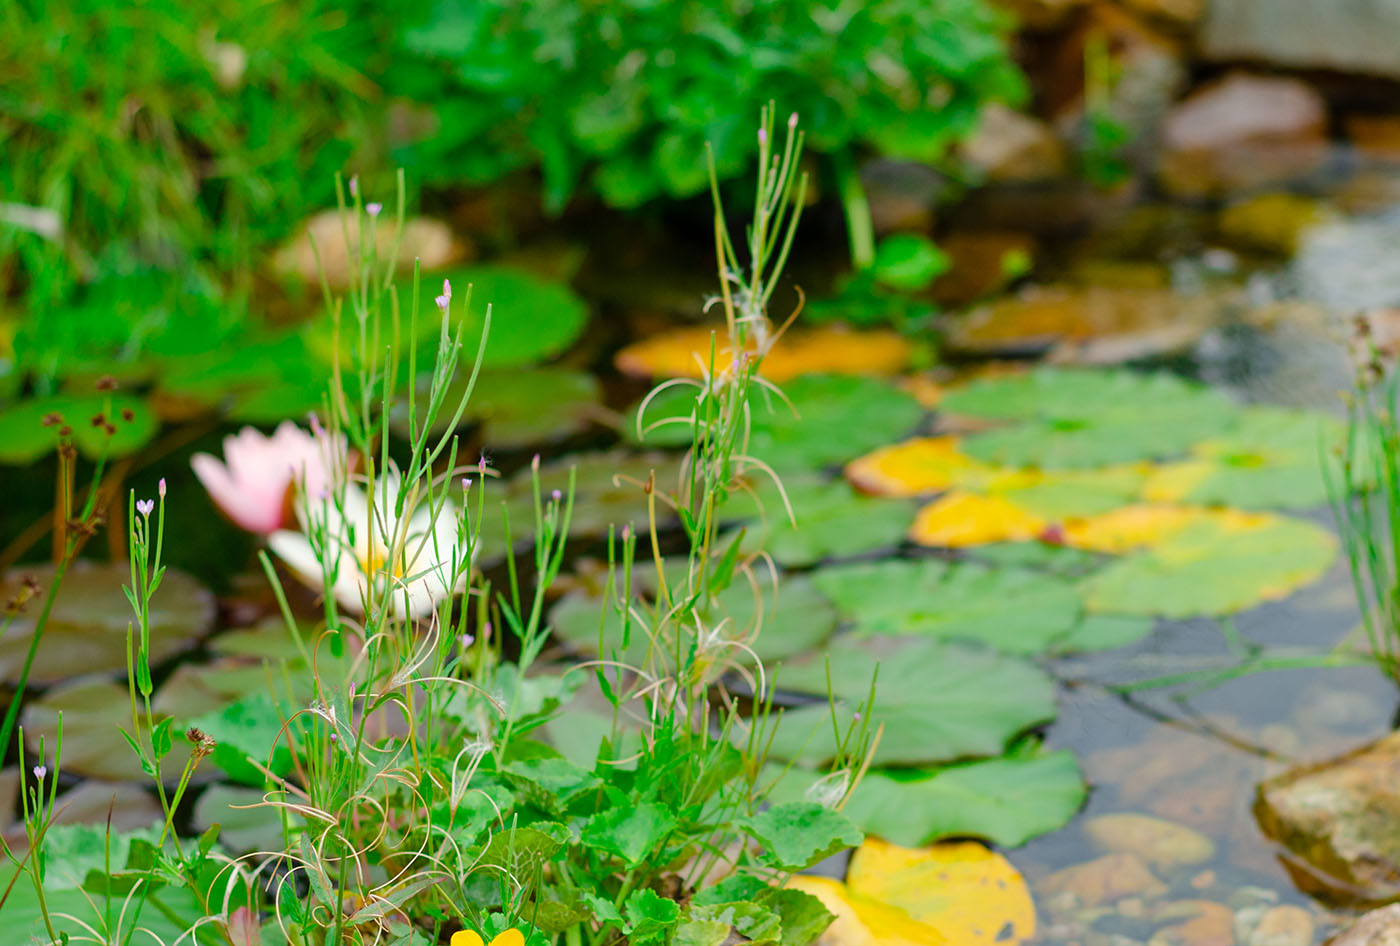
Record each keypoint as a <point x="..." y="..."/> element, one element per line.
<point x="1011" y="146"/>
<point x="1284" y="925"/>
<point x="1155" y="840"/>
<point x="1103" y="880"/>
<point x="428" y="240"/>
<point x="1355" y="36"/>
<point x="1243" y="131"/>
<point x="1341" y="818"/>
<point x="1377" y="928"/>
<point x="1271" y="223"/>
<point x="1375" y="136"/>
<point x="1202" y="923"/>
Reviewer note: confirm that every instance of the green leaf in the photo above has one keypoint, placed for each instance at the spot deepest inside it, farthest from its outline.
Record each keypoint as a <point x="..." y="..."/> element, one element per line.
<point x="24" y="436"/>
<point x="1007" y="801"/>
<point x="833" y="520"/>
<point x="799" y="834"/>
<point x="518" y="407"/>
<point x="909" y="262"/>
<point x="803" y="917"/>
<point x="1211" y="568"/>
<point x="1103" y="632"/>
<point x="629" y="832"/>
<point x="936" y="700"/>
<point x="649" y="916"/>
<point x="1068" y="419"/>
<point x="247" y="731"/>
<point x="520" y="852"/>
<point x="1010" y="609"/>
<point x="708" y="924"/>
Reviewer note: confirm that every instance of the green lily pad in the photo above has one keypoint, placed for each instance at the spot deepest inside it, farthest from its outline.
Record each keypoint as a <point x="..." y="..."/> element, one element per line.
<point x="1103" y="632"/>
<point x="1062" y="561"/>
<point x="1006" y="801"/>
<point x="532" y="319"/>
<point x="519" y="406"/>
<point x="1010" y="609"/>
<point x="24" y="438"/>
<point x="94" y="713"/>
<point x="937" y="700"/>
<point x="800" y="619"/>
<point x="833" y="520"/>
<point x="1210" y="568"/>
<point x="1271" y="459"/>
<point x="87" y="628"/>
<point x="838" y="418"/>
<point x="1077" y="493"/>
<point x="245" y="822"/>
<point x="1074" y="419"/>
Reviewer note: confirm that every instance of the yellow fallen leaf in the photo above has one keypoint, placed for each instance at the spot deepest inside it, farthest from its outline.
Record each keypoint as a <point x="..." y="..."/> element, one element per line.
<point x="862" y="921"/>
<point x="970" y="894"/>
<point x="959" y="519"/>
<point x="1144" y="526"/>
<point x="685" y="353"/>
<point x="920" y="465"/>
<point x="1173" y="482"/>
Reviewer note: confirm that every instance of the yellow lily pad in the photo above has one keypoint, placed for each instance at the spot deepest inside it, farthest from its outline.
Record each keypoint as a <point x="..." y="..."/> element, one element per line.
<point x="1142" y="526"/>
<point x="960" y="519"/>
<point x="922" y="465"/>
<point x="685" y="353"/>
<point x="971" y="895"/>
<point x="862" y="921"/>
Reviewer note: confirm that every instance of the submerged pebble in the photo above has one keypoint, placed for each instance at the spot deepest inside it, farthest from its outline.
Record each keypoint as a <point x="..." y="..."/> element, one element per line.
<point x="1103" y="880"/>
<point x="1155" y="840"/>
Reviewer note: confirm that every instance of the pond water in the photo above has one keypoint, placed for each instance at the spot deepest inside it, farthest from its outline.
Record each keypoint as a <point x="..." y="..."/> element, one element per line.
<point x="1191" y="756"/>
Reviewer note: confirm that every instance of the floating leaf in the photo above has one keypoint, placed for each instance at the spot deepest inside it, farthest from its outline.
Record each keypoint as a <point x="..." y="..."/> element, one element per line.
<point x="960" y="519"/>
<point x="1013" y="610"/>
<point x="1103" y="632"/>
<point x="686" y="353"/>
<point x="921" y="465"/>
<point x="1145" y="526"/>
<point x="794" y="621"/>
<point x="1271" y="459"/>
<point x="25" y="436"/>
<point x="936" y="700"/>
<point x="861" y="921"/>
<point x="827" y="419"/>
<point x="832" y="520"/>
<point x="93" y="717"/>
<point x="1061" y="561"/>
<point x="1066" y="494"/>
<point x="1066" y="419"/>
<point x="87" y="629"/>
<point x="518" y="407"/>
<point x="246" y="822"/>
<point x="970" y="894"/>
<point x="1214" y="566"/>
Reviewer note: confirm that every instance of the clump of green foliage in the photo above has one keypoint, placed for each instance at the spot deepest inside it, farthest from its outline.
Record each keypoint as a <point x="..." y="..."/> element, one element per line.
<point x="413" y="758"/>
<point x="615" y="99"/>
<point x="153" y="150"/>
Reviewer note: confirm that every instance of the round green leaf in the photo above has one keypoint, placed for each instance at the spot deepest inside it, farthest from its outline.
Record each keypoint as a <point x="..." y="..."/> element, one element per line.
<point x="1013" y="610"/>
<point x="1211" y="568"/>
<point x="1067" y="419"/>
<point x="833" y="520"/>
<point x="936" y="700"/>
<point x="95" y="711"/>
<point x="87" y="629"/>
<point x="24" y="437"/>
<point x="519" y="407"/>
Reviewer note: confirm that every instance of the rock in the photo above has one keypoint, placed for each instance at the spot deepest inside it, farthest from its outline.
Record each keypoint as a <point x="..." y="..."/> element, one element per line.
<point x="1158" y="842"/>
<point x="1377" y="928"/>
<point x="1351" y="265"/>
<point x="1203" y="923"/>
<point x="1084" y="326"/>
<point x="1272" y="223"/>
<point x="982" y="263"/>
<point x="1341" y="818"/>
<point x="1375" y="136"/>
<point x="430" y="240"/>
<point x="1355" y="36"/>
<point x="1284" y="925"/>
<point x="1103" y="880"/>
<point x="1010" y="146"/>
<point x="1240" y="132"/>
<point x="902" y="194"/>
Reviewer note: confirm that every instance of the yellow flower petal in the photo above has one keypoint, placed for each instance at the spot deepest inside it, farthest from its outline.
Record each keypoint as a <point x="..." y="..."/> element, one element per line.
<point x="466" y="938"/>
<point x="972" y="895"/>
<point x="960" y="519"/>
<point x="510" y="937"/>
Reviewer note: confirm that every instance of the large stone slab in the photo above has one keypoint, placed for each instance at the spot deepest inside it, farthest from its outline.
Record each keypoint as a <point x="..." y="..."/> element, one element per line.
<point x="1340" y="819"/>
<point x="1357" y="36"/>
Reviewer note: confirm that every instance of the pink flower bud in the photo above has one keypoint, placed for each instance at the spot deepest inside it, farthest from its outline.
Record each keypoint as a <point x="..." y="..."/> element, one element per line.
<point x="355" y="185"/>
<point x="160" y="488"/>
<point x="373" y="209"/>
<point x="40" y="771"/>
<point x="145" y="506"/>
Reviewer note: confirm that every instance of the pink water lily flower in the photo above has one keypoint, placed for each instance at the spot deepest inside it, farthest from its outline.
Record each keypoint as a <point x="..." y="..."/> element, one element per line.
<point x="252" y="485"/>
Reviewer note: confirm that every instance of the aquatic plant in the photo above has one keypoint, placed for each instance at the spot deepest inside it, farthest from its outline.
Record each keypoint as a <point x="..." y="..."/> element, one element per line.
<point x="426" y="772"/>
